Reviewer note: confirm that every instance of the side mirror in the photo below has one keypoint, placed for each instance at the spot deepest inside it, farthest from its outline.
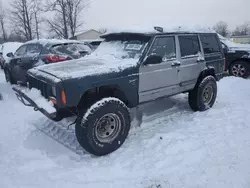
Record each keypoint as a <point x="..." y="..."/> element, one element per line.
<point x="153" y="59"/>
<point x="1" y="53"/>
<point x="10" y="54"/>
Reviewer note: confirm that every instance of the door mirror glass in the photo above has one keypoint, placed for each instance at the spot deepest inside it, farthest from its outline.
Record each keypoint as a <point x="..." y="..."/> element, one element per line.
<point x="153" y="59"/>
<point x="10" y="54"/>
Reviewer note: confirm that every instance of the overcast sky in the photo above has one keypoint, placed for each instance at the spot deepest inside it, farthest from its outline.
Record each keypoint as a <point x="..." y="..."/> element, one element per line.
<point x="118" y="13"/>
<point x="132" y="12"/>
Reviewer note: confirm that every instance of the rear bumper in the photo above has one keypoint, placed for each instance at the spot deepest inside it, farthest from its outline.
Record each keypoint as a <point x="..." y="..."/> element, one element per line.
<point x="27" y="101"/>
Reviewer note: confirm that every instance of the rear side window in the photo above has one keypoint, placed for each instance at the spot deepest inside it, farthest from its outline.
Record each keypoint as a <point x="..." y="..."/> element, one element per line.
<point x="33" y="49"/>
<point x="164" y="47"/>
<point x="210" y="44"/>
<point x="189" y="46"/>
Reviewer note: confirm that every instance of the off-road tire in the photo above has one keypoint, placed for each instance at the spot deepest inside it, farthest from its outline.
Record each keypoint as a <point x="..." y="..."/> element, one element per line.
<point x="195" y="97"/>
<point x="244" y="64"/>
<point x="87" y="123"/>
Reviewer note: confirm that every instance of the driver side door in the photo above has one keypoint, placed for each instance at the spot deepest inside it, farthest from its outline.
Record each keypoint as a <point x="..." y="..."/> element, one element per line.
<point x="161" y="79"/>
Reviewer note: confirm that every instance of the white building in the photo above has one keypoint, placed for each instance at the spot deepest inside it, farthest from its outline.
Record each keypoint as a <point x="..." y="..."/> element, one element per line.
<point x="87" y="35"/>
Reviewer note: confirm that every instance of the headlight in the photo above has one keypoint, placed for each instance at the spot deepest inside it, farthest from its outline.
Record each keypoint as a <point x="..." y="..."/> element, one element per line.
<point x="54" y="91"/>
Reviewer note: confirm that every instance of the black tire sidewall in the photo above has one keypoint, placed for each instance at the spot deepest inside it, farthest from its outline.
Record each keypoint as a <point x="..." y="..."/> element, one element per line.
<point x="11" y="80"/>
<point x="209" y="81"/>
<point x="246" y="66"/>
<point x="7" y="74"/>
<point x="89" y="140"/>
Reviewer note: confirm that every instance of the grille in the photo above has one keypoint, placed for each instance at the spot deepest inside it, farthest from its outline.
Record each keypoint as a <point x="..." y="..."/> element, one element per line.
<point x="37" y="84"/>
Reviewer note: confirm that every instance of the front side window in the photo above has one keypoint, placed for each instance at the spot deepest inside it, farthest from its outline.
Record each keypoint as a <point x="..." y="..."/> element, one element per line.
<point x="21" y="51"/>
<point x="164" y="47"/>
<point x="189" y="46"/>
<point x="210" y="44"/>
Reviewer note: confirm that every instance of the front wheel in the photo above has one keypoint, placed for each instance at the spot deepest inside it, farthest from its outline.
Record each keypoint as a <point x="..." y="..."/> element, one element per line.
<point x="104" y="127"/>
<point x="203" y="96"/>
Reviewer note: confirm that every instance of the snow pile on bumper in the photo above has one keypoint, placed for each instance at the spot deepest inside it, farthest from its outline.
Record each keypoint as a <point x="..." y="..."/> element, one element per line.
<point x="38" y="99"/>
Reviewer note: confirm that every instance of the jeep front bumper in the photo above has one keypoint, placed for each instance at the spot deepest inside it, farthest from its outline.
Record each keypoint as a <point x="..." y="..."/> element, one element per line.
<point x="27" y="101"/>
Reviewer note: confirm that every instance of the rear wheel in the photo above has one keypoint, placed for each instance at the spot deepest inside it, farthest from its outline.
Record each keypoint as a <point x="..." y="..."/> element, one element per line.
<point x="104" y="127"/>
<point x="240" y="69"/>
<point x="203" y="96"/>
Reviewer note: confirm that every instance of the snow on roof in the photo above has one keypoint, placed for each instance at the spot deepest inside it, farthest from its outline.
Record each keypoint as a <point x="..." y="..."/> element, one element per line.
<point x="49" y="41"/>
<point x="167" y="29"/>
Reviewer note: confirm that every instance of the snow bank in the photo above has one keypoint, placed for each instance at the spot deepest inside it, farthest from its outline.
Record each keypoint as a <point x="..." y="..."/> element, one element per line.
<point x="174" y="147"/>
<point x="41" y="102"/>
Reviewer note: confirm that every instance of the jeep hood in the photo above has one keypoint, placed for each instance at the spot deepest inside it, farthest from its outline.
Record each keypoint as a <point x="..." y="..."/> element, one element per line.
<point x="83" y="67"/>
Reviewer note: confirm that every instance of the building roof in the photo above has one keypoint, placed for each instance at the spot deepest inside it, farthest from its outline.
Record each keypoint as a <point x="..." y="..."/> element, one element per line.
<point x="85" y="31"/>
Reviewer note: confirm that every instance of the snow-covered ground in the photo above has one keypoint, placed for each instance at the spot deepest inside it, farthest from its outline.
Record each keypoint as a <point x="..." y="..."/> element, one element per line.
<point x="174" y="147"/>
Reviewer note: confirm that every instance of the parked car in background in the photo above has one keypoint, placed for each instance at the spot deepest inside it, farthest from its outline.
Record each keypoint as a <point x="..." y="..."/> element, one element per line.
<point x="6" y="48"/>
<point x="237" y="58"/>
<point x="94" y="43"/>
<point x="38" y="52"/>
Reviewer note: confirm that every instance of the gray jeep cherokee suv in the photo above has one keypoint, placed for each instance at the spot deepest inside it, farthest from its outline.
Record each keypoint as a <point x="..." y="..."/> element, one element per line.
<point x="126" y="70"/>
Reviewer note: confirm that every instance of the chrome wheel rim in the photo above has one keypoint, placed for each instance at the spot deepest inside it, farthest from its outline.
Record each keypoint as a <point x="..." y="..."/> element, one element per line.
<point x="238" y="70"/>
<point x="207" y="94"/>
<point x="108" y="128"/>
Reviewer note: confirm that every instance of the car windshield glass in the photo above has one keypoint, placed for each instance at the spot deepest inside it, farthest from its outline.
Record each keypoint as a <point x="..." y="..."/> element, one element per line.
<point x="122" y="47"/>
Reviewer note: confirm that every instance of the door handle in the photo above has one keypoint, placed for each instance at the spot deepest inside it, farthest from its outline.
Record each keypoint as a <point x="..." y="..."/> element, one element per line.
<point x="176" y="64"/>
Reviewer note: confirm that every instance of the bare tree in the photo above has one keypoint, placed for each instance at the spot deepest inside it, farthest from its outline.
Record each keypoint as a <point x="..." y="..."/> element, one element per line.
<point x="2" y="21"/>
<point x="221" y="27"/>
<point x="22" y="17"/>
<point x="67" y="14"/>
<point x="37" y="10"/>
<point x="243" y="29"/>
<point x="58" y="24"/>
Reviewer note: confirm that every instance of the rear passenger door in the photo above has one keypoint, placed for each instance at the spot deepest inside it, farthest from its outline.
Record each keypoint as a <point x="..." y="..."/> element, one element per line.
<point x="213" y="52"/>
<point x="192" y="61"/>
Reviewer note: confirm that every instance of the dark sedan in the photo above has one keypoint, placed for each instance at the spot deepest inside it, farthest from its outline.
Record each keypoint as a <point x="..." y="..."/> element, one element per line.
<point x="38" y="52"/>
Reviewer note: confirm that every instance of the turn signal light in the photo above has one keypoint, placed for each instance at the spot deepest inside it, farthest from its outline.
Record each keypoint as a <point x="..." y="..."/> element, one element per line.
<point x="63" y="97"/>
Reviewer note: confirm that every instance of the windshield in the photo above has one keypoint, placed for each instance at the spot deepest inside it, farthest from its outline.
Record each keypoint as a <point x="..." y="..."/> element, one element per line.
<point x="122" y="47"/>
